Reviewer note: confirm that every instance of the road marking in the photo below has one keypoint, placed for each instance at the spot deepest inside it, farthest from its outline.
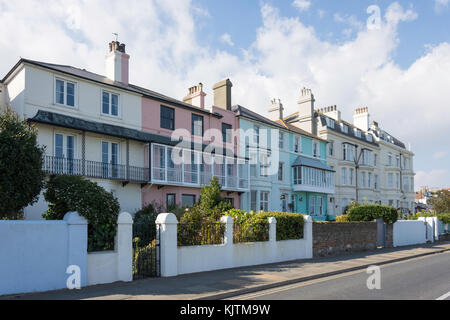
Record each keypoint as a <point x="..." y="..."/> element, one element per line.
<point x="444" y="296"/>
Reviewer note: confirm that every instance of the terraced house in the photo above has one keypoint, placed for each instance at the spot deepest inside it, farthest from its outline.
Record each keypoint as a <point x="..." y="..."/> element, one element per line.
<point x="371" y="166"/>
<point x="301" y="181"/>
<point x="119" y="135"/>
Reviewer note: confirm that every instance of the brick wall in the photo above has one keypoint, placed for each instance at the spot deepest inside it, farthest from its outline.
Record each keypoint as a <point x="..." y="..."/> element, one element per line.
<point x="334" y="238"/>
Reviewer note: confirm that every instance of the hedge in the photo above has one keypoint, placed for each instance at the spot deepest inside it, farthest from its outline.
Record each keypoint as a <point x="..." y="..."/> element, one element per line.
<point x="444" y="217"/>
<point x="370" y="212"/>
<point x="100" y="208"/>
<point x="289" y="225"/>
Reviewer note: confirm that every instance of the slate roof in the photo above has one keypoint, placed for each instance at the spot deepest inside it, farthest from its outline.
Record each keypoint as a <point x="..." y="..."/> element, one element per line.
<point x="312" y="163"/>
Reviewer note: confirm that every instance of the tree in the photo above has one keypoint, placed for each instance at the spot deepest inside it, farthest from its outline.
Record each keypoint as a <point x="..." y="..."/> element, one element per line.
<point x="441" y="201"/>
<point x="21" y="174"/>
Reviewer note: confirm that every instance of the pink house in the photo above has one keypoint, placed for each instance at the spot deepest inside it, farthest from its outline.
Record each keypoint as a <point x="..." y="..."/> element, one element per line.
<point x="177" y="174"/>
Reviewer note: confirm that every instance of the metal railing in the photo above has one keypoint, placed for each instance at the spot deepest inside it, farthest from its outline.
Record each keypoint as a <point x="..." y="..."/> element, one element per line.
<point x="196" y="234"/>
<point x="95" y="169"/>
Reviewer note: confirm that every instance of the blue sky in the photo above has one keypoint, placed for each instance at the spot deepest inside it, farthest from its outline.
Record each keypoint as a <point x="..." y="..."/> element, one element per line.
<point x="269" y="49"/>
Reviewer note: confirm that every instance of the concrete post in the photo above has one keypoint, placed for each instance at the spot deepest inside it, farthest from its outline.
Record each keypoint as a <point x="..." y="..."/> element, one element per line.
<point x="228" y="241"/>
<point x="273" y="239"/>
<point x="308" y="236"/>
<point x="77" y="243"/>
<point x="167" y="230"/>
<point x="124" y="247"/>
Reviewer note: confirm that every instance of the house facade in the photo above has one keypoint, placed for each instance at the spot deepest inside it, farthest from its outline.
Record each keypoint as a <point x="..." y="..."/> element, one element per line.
<point x="289" y="172"/>
<point x="371" y="166"/>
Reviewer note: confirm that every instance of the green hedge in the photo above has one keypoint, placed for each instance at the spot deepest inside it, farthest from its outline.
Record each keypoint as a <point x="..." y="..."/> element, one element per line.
<point x="370" y="212"/>
<point x="444" y="217"/>
<point x="289" y="225"/>
<point x="100" y="208"/>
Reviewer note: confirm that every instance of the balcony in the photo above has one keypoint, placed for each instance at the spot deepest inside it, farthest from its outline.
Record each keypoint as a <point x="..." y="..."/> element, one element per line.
<point x="311" y="175"/>
<point x="183" y="167"/>
<point x="95" y="169"/>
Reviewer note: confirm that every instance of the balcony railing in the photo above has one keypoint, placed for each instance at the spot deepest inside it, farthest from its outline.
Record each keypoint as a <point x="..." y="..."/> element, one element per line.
<point x="194" y="171"/>
<point x="95" y="169"/>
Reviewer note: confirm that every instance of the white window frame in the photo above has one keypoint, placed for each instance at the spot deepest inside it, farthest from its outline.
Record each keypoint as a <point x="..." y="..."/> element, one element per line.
<point x="312" y="205"/>
<point x="119" y="108"/>
<point x="75" y="98"/>
<point x="264" y="201"/>
<point x="65" y="135"/>
<point x="316" y="149"/>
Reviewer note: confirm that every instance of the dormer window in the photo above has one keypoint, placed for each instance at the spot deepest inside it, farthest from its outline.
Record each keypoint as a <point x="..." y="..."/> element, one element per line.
<point x="344" y="128"/>
<point x="369" y="137"/>
<point x="357" y="133"/>
<point x="330" y="123"/>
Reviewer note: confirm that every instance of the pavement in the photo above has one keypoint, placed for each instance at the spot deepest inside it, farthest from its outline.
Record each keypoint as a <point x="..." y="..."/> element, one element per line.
<point x="225" y="284"/>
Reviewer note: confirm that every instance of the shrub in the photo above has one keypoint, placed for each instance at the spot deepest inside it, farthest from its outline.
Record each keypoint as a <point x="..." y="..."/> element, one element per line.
<point x="343" y="218"/>
<point x="100" y="208"/>
<point x="352" y="205"/>
<point x="444" y="217"/>
<point x="370" y="212"/>
<point x="21" y="174"/>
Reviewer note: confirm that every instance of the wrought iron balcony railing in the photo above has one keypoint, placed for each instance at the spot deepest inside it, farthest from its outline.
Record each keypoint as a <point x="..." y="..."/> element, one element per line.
<point x="95" y="169"/>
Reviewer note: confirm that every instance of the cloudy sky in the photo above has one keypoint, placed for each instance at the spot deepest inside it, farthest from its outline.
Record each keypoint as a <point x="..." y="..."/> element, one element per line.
<point x="400" y="68"/>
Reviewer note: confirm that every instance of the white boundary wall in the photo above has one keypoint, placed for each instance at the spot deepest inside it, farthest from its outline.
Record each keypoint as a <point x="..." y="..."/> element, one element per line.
<point x="183" y="260"/>
<point x="409" y="232"/>
<point x="35" y="255"/>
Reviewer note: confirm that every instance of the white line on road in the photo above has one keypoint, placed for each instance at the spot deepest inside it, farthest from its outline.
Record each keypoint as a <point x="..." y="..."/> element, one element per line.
<point x="445" y="296"/>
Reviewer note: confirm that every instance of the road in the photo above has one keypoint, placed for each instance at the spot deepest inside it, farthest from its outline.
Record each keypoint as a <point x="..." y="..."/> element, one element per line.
<point x="426" y="278"/>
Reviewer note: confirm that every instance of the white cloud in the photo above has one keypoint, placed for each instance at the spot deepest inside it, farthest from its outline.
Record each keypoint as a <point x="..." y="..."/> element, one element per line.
<point x="226" y="38"/>
<point x="432" y="179"/>
<point x="302" y="5"/>
<point x="439" y="5"/>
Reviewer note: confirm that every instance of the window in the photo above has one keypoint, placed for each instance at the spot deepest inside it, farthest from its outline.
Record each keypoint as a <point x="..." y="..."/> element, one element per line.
<point x="357" y="133"/>
<point x="389" y="160"/>
<point x="348" y="152"/>
<point x="369" y="137"/>
<point x="110" y="159"/>
<point x="390" y="180"/>
<point x="363" y="179"/>
<point x="343" y="176"/>
<point x="320" y="206"/>
<point x="171" y="201"/>
<point x="330" y="123"/>
<point x="411" y="185"/>
<point x="344" y="128"/>
<point x="187" y="200"/>
<point x="366" y="157"/>
<point x="397" y="180"/>
<point x="256" y="136"/>
<point x="369" y="180"/>
<point x="280" y="171"/>
<point x="375" y="160"/>
<point x="65" y="93"/>
<point x="350" y="173"/>
<point x="284" y="200"/>
<point x="64" y="153"/>
<point x="264" y="201"/>
<point x="253" y="170"/>
<point x="331" y="148"/>
<point x="397" y="161"/>
<point x="253" y="200"/>
<point x="110" y="104"/>
<point x="167" y="118"/>
<point x="391" y="203"/>
<point x="316" y="152"/>
<point x="344" y="203"/>
<point x="405" y="184"/>
<point x="226" y="133"/>
<point x="405" y="163"/>
<point x="197" y="125"/>
<point x="264" y="166"/>
<point x="376" y="182"/>
<point x="281" y="141"/>
<point x="297" y="175"/>
<point x="312" y="205"/>
<point x="297" y="144"/>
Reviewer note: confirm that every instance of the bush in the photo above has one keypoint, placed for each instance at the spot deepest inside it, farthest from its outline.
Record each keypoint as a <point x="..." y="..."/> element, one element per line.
<point x="21" y="174"/>
<point x="444" y="217"/>
<point x="351" y="206"/>
<point x="370" y="212"/>
<point x="100" y="208"/>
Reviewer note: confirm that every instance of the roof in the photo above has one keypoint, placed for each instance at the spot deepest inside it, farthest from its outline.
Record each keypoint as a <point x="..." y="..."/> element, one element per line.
<point x="312" y="163"/>
<point x="246" y="113"/>
<point x="395" y="141"/>
<point x="87" y="75"/>
<point x="56" y="119"/>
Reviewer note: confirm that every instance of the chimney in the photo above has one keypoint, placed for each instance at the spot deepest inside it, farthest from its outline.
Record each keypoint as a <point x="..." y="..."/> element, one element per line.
<point x="331" y="112"/>
<point x="222" y="94"/>
<point x="306" y="118"/>
<point x="276" y="110"/>
<point x="196" y="96"/>
<point x="361" y="118"/>
<point x="117" y="62"/>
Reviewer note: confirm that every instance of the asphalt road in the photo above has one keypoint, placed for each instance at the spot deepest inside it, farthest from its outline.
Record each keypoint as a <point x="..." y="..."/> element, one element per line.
<point x="426" y="278"/>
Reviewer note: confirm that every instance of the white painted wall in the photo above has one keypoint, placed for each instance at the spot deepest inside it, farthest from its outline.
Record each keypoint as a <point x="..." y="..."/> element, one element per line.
<point x="184" y="260"/>
<point x="409" y="232"/>
<point x="34" y="255"/>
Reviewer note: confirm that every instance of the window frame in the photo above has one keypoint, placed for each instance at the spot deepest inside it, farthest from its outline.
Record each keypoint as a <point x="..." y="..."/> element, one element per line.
<point x="227" y="132"/>
<point x="188" y="195"/>
<point x="162" y="107"/>
<point x="194" y="115"/>
<point x="75" y="95"/>
<point x="110" y="97"/>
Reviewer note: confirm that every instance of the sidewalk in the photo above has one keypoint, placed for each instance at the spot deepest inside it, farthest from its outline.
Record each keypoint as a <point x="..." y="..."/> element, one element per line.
<point x="228" y="283"/>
